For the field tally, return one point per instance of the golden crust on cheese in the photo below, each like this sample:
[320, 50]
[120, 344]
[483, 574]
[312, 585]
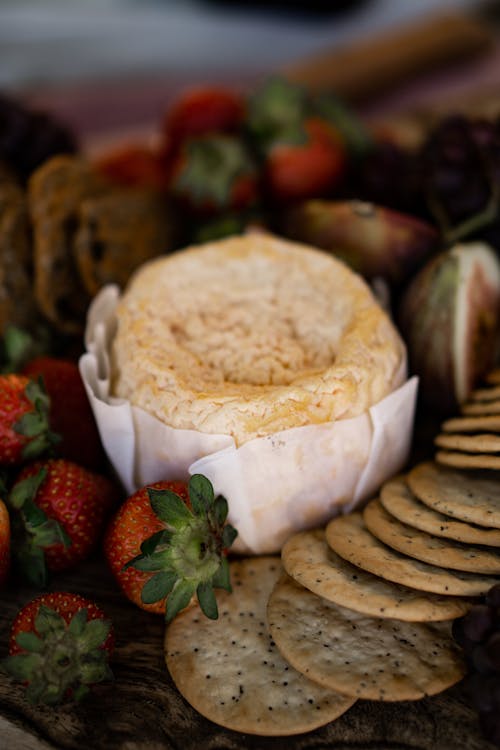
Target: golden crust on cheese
[251, 335]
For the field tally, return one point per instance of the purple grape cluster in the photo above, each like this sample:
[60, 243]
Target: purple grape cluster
[28, 137]
[478, 633]
[453, 179]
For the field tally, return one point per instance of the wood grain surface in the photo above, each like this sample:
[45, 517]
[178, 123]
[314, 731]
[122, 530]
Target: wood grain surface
[142, 709]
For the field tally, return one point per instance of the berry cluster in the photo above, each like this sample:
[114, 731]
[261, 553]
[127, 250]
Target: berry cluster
[28, 137]
[452, 179]
[478, 633]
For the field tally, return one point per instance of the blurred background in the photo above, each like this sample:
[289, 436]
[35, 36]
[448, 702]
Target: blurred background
[107, 64]
[50, 41]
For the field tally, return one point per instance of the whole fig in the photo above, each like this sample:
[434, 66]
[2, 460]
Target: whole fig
[373, 240]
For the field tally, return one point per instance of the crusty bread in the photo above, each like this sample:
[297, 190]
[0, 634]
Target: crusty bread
[251, 335]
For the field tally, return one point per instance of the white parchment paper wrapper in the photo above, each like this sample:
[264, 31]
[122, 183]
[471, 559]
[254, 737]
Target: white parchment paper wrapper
[275, 485]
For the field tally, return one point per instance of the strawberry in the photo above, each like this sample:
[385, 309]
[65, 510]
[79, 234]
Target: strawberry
[307, 167]
[302, 150]
[134, 165]
[60, 644]
[201, 111]
[169, 541]
[70, 413]
[24, 422]
[4, 542]
[59, 510]
[213, 174]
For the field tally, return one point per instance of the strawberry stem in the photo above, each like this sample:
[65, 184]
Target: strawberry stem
[60, 659]
[189, 555]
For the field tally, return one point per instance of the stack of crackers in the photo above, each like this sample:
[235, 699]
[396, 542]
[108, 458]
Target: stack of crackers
[342, 616]
[472, 440]
[69, 234]
[360, 610]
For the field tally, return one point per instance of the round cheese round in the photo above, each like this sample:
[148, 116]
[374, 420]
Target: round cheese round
[251, 335]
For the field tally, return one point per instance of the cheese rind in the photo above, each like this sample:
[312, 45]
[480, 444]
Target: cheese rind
[252, 335]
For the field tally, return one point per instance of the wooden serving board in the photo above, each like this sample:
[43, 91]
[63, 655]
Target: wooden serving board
[142, 710]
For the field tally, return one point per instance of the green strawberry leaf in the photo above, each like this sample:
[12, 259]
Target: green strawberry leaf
[31, 561]
[148, 563]
[29, 641]
[40, 445]
[38, 396]
[169, 507]
[276, 112]
[81, 692]
[221, 579]
[49, 533]
[21, 666]
[78, 621]
[150, 544]
[221, 509]
[95, 633]
[94, 671]
[18, 346]
[30, 424]
[207, 600]
[26, 489]
[201, 493]
[179, 598]
[158, 587]
[48, 620]
[229, 534]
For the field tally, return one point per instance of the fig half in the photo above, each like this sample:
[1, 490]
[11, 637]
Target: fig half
[373, 240]
[449, 317]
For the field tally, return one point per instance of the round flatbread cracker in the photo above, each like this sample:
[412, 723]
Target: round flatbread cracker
[485, 394]
[400, 502]
[463, 495]
[431, 549]
[493, 376]
[480, 407]
[230, 670]
[488, 423]
[349, 538]
[308, 559]
[467, 460]
[365, 657]
[483, 443]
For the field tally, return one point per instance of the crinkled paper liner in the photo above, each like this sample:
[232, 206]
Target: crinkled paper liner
[275, 485]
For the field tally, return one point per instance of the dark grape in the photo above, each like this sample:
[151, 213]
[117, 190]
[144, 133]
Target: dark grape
[457, 631]
[28, 138]
[478, 633]
[490, 724]
[479, 690]
[480, 660]
[453, 179]
[493, 650]
[478, 622]
[492, 598]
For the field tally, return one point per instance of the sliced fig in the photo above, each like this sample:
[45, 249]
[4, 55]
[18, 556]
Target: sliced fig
[449, 317]
[373, 240]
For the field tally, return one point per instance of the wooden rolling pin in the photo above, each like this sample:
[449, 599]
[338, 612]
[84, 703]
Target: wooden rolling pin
[371, 66]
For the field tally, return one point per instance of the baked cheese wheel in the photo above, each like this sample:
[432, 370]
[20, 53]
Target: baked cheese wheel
[251, 335]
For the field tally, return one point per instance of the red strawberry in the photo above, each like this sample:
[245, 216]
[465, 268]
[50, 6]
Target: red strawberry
[70, 414]
[168, 542]
[133, 164]
[4, 542]
[213, 174]
[60, 644]
[61, 510]
[24, 423]
[204, 110]
[310, 167]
